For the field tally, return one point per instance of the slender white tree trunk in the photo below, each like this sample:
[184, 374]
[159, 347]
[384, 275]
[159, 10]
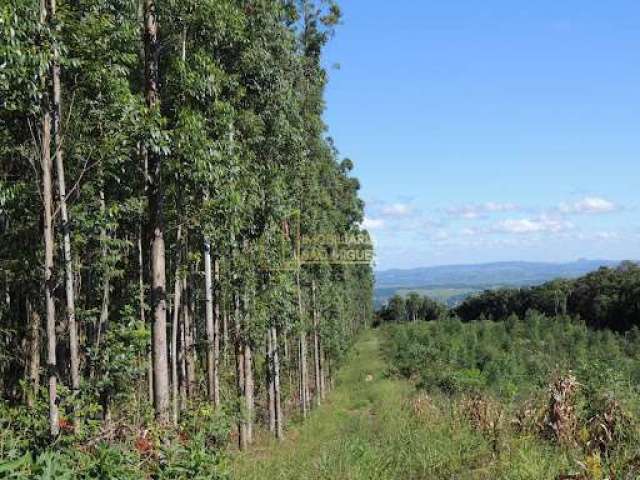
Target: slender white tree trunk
[62, 199]
[47, 199]
[302, 357]
[249, 390]
[212, 324]
[190, 335]
[316, 347]
[276, 383]
[175, 326]
[271, 388]
[155, 193]
[240, 374]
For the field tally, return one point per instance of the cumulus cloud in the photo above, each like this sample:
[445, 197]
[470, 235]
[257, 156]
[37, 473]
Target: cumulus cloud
[589, 205]
[542, 224]
[471, 212]
[372, 223]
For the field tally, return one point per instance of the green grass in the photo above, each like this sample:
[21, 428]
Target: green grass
[385, 429]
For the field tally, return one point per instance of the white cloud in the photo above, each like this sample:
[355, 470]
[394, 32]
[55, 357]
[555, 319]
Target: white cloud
[589, 205]
[372, 223]
[471, 212]
[542, 224]
[397, 209]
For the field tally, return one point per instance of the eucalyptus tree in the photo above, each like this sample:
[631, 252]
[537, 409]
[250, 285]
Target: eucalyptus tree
[200, 91]
[314, 28]
[156, 148]
[26, 167]
[56, 107]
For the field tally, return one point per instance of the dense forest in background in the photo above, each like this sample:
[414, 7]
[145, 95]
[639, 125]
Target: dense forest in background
[605, 298]
[159, 163]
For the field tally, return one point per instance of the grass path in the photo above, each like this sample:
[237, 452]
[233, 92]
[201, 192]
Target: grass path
[372, 430]
[345, 436]
[367, 429]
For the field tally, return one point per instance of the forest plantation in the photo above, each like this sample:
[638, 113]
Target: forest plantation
[186, 280]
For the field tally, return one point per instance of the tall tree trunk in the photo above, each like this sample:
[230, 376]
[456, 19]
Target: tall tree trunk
[212, 322]
[182, 357]
[323, 373]
[304, 376]
[225, 330]
[240, 382]
[316, 346]
[248, 390]
[33, 361]
[189, 330]
[249, 402]
[271, 387]
[155, 195]
[302, 357]
[62, 199]
[209, 324]
[276, 383]
[49, 281]
[175, 325]
[288, 360]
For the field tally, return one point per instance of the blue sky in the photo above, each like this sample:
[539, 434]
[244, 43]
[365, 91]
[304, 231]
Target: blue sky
[489, 130]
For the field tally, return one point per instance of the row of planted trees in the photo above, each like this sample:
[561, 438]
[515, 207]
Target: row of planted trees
[159, 163]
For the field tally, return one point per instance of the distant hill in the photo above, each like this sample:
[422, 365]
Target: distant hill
[452, 283]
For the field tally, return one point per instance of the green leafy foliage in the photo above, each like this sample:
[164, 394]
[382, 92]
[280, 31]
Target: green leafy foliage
[552, 378]
[604, 298]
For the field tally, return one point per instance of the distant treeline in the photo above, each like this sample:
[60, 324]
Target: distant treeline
[411, 308]
[608, 297]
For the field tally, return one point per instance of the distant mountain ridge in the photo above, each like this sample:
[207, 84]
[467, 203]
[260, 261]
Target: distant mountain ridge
[501, 273]
[475, 277]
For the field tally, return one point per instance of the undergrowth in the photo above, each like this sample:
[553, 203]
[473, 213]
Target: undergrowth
[195, 451]
[550, 397]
